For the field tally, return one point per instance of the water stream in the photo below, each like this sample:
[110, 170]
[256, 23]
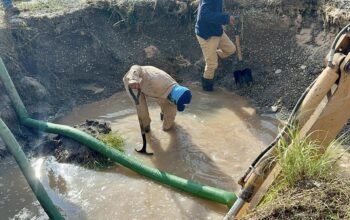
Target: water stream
[213, 142]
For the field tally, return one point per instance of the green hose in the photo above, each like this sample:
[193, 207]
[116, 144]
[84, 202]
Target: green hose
[197, 189]
[38, 189]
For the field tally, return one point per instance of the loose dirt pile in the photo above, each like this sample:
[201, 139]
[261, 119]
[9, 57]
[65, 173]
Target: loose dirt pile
[70, 151]
[309, 200]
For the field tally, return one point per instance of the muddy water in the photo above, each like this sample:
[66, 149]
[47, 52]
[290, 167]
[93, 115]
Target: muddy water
[213, 142]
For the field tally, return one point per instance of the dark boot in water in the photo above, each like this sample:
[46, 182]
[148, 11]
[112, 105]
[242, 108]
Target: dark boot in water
[207, 84]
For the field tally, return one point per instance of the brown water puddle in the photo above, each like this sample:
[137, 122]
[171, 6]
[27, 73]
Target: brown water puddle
[213, 142]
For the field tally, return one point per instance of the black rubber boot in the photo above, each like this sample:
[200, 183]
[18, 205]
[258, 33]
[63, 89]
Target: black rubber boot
[11, 11]
[207, 84]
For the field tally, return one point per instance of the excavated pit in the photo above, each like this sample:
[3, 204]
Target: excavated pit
[77, 53]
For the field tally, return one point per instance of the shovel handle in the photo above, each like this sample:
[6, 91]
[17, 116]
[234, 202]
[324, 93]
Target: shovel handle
[238, 45]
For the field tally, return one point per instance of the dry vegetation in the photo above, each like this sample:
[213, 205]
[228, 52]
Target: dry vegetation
[336, 12]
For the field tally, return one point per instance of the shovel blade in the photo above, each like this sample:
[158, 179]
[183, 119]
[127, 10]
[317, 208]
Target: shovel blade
[243, 77]
[144, 145]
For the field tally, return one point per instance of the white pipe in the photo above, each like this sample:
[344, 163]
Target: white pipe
[234, 209]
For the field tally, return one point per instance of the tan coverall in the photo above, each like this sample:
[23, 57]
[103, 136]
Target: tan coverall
[212, 48]
[154, 83]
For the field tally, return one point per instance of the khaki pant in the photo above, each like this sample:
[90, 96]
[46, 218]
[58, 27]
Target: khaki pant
[169, 111]
[212, 48]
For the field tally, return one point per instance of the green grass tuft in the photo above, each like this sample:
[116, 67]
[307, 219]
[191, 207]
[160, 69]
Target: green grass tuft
[47, 5]
[113, 140]
[302, 159]
[98, 161]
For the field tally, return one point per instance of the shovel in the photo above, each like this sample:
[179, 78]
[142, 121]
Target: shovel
[143, 130]
[243, 75]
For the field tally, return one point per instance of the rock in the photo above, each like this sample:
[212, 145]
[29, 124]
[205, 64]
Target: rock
[317, 184]
[88, 123]
[323, 38]
[93, 88]
[305, 36]
[285, 21]
[278, 71]
[274, 108]
[34, 88]
[298, 22]
[151, 52]
[303, 67]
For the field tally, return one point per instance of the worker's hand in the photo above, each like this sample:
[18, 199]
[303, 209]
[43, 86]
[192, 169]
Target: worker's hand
[134, 85]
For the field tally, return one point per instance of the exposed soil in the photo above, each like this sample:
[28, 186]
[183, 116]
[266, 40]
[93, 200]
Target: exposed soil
[308, 200]
[68, 53]
[79, 53]
[70, 151]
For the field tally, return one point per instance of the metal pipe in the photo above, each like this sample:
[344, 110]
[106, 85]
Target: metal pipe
[234, 209]
[39, 191]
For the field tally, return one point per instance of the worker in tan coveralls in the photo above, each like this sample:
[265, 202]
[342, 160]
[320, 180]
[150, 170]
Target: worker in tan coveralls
[142, 81]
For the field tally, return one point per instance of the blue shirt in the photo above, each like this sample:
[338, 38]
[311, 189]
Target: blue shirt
[210, 19]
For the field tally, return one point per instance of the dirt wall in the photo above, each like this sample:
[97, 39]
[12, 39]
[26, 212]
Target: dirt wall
[60, 59]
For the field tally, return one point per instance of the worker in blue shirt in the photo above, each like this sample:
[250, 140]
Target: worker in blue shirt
[212, 38]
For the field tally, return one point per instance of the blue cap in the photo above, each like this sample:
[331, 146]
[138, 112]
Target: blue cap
[180, 96]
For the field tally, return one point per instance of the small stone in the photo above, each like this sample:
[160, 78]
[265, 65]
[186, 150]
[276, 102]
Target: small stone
[36, 88]
[303, 67]
[274, 108]
[278, 71]
[317, 184]
[88, 123]
[305, 36]
[151, 51]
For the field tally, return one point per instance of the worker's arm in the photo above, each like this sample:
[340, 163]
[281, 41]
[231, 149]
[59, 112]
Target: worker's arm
[210, 16]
